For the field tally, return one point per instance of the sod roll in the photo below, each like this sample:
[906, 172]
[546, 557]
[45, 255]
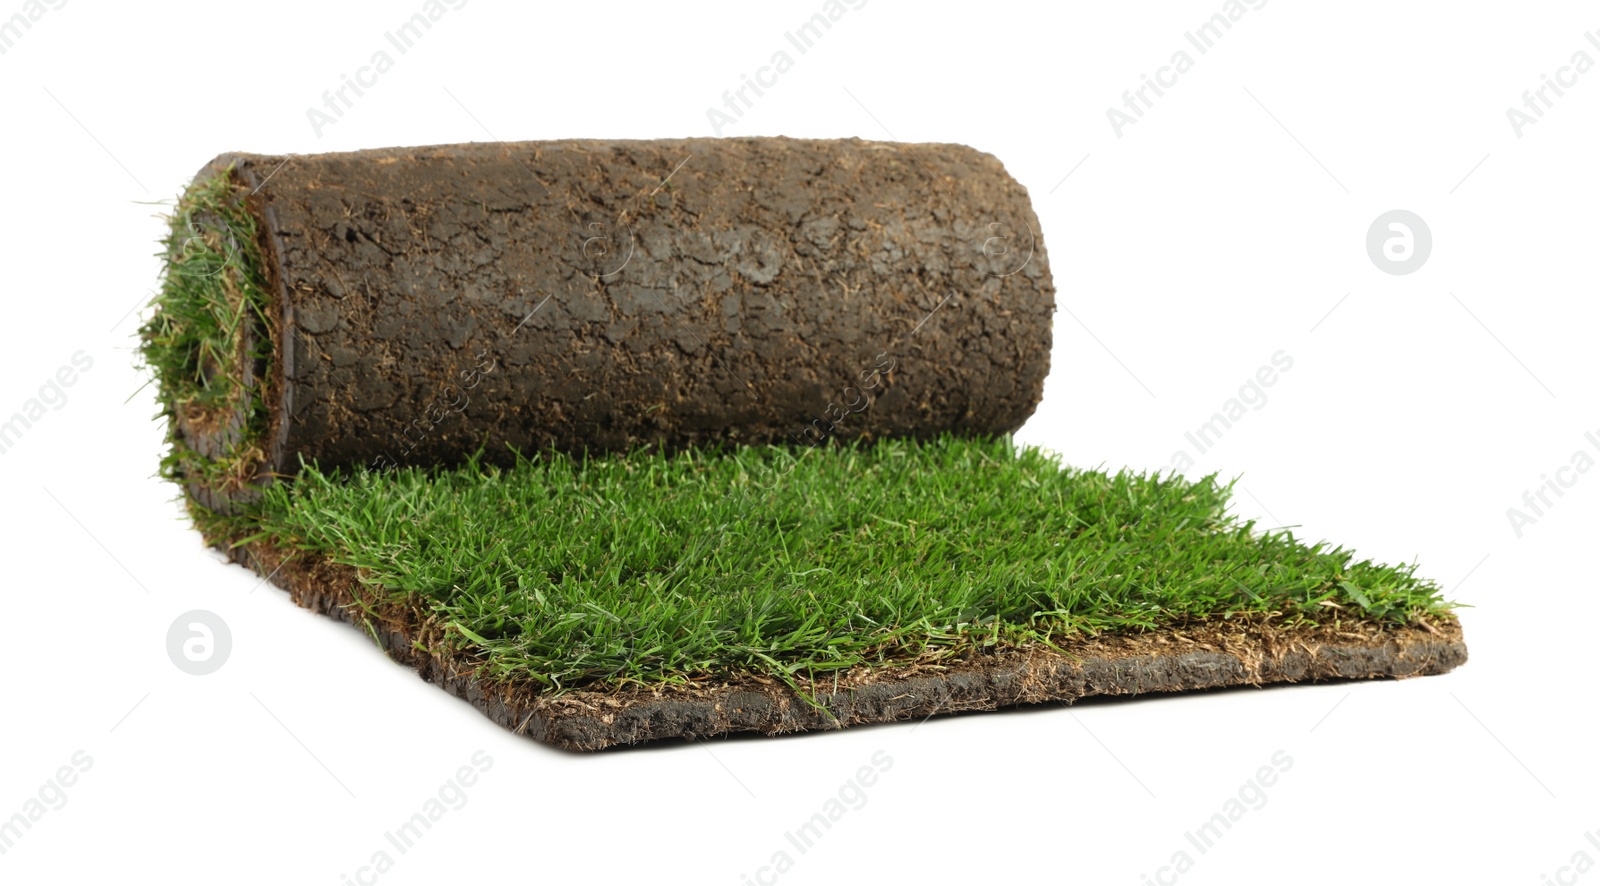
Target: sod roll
[418, 305]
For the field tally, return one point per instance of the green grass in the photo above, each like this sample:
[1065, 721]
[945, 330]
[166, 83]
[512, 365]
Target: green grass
[650, 567]
[193, 343]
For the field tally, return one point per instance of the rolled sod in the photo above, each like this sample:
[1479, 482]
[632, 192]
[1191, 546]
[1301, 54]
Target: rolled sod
[418, 305]
[623, 441]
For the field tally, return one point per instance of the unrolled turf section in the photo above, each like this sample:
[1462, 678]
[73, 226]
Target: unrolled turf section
[650, 568]
[653, 576]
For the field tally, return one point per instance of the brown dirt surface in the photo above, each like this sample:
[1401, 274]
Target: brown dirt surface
[560, 295]
[1208, 655]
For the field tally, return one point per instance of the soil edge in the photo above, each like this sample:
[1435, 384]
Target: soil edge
[1206, 656]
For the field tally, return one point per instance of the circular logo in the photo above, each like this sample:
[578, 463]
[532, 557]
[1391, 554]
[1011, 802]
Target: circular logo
[603, 251]
[1007, 249]
[1399, 242]
[199, 642]
[196, 256]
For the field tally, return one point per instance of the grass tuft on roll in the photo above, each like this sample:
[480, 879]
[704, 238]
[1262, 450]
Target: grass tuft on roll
[208, 327]
[652, 568]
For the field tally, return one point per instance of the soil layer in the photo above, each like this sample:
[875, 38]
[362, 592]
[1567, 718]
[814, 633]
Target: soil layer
[1208, 655]
[605, 295]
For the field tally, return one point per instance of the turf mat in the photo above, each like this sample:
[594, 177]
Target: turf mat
[600, 601]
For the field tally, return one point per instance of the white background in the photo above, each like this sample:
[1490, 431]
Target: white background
[1228, 224]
